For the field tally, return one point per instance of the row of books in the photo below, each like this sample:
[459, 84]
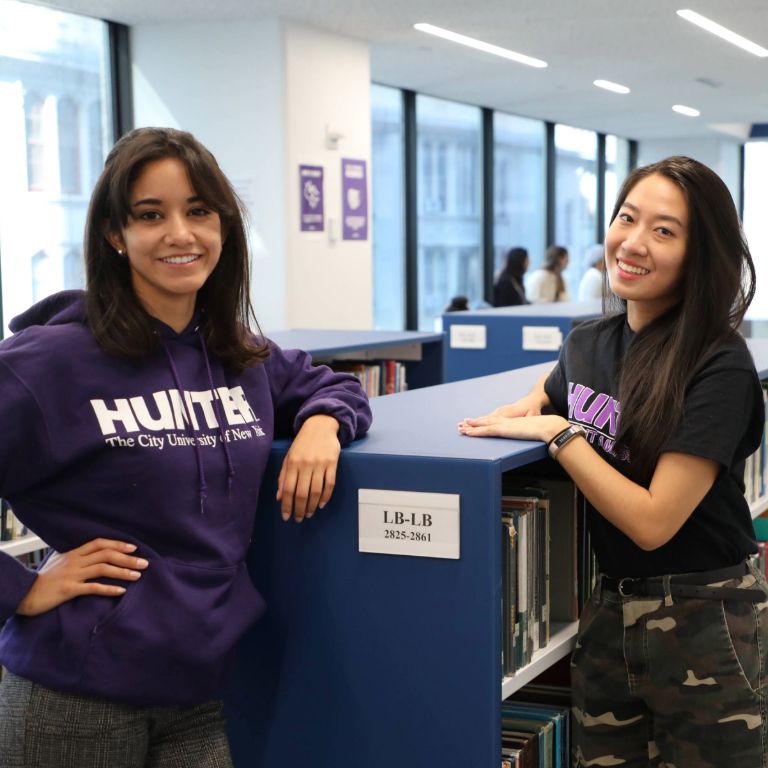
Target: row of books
[536, 728]
[379, 378]
[756, 467]
[548, 568]
[10, 526]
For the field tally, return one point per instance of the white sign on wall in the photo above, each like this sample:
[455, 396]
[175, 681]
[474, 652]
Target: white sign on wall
[467, 337]
[546, 338]
[408, 523]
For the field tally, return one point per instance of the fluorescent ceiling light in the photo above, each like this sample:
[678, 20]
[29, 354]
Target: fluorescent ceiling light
[720, 31]
[609, 86]
[683, 110]
[479, 45]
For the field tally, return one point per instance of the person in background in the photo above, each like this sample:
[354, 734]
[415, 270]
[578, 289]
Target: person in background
[457, 304]
[509, 288]
[652, 411]
[138, 418]
[547, 284]
[591, 285]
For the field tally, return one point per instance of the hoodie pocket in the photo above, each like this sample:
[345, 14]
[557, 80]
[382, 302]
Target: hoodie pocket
[170, 638]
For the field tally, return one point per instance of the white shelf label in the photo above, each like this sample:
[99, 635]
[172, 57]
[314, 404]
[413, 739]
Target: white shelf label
[408, 523]
[467, 337]
[547, 338]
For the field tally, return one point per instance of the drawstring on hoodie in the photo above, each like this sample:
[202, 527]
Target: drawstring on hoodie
[202, 487]
[219, 413]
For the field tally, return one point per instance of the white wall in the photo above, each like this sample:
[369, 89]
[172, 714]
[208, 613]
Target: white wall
[258, 95]
[327, 84]
[721, 155]
[223, 82]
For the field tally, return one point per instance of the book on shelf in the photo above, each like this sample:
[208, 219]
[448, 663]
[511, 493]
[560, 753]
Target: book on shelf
[523, 746]
[509, 625]
[534, 504]
[379, 378]
[553, 728]
[543, 559]
[547, 704]
[517, 584]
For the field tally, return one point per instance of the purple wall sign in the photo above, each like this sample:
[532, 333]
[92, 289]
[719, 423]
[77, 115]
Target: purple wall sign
[354, 200]
[311, 185]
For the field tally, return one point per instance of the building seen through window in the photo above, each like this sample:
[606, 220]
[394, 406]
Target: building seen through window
[519, 197]
[616, 170]
[448, 187]
[756, 230]
[55, 131]
[575, 198]
[387, 184]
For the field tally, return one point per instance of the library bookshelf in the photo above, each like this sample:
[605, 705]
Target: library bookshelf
[484, 341]
[22, 546]
[421, 352]
[377, 659]
[381, 660]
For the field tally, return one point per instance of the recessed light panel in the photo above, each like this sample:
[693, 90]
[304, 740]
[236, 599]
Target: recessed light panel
[479, 45]
[687, 111]
[609, 86]
[723, 32]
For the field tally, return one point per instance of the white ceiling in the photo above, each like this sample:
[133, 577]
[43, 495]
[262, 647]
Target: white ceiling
[643, 45]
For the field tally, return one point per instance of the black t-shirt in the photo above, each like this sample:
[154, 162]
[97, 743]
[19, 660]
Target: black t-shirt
[723, 419]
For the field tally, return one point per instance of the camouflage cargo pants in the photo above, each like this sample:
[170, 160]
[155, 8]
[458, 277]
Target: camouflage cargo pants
[672, 682]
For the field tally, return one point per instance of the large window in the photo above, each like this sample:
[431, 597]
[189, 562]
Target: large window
[616, 170]
[446, 248]
[69, 146]
[449, 158]
[519, 193]
[35, 143]
[575, 198]
[756, 228]
[54, 133]
[387, 183]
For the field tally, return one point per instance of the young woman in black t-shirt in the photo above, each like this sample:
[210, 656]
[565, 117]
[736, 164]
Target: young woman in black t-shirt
[652, 411]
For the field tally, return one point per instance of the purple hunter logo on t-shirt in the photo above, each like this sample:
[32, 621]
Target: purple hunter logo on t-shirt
[599, 414]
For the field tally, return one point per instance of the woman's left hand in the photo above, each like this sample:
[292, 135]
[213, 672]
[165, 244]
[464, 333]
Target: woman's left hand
[308, 474]
[518, 427]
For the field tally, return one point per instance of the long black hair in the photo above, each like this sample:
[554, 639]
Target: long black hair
[117, 319]
[717, 287]
[516, 264]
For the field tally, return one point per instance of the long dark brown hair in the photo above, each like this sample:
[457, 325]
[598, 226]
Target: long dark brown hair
[717, 287]
[119, 323]
[553, 262]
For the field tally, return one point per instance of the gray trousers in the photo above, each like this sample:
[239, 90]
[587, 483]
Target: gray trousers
[42, 728]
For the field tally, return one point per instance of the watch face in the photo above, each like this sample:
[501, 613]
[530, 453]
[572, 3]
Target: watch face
[564, 436]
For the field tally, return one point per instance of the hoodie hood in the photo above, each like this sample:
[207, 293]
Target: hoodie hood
[57, 309]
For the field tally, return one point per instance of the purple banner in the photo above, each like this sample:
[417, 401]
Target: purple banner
[354, 200]
[311, 185]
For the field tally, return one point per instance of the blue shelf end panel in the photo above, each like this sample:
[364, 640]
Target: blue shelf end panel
[368, 659]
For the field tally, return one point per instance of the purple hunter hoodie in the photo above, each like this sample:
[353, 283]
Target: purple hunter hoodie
[168, 455]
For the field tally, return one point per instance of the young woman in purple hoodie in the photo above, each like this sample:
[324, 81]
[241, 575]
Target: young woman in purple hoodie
[138, 418]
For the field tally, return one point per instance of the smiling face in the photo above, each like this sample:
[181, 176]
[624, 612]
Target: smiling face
[172, 241]
[645, 248]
